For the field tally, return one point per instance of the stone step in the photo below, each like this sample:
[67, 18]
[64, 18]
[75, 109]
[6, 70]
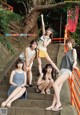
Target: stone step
[36, 96]
[30, 111]
[29, 103]
[32, 103]
[29, 89]
[69, 110]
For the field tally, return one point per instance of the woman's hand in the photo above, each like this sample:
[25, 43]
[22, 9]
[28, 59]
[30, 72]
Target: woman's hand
[41, 15]
[22, 85]
[75, 67]
[27, 68]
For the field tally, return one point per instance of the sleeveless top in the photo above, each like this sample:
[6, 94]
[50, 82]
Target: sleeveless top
[30, 52]
[41, 42]
[67, 60]
[18, 78]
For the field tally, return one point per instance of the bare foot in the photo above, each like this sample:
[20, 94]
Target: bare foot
[49, 108]
[47, 91]
[8, 105]
[58, 105]
[42, 92]
[3, 104]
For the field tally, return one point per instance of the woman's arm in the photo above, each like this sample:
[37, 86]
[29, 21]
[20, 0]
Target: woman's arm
[40, 80]
[75, 58]
[43, 25]
[26, 57]
[11, 78]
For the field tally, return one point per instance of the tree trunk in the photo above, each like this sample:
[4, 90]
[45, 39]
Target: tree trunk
[31, 21]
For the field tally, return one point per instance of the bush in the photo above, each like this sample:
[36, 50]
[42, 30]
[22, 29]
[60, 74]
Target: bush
[76, 35]
[5, 18]
[6, 43]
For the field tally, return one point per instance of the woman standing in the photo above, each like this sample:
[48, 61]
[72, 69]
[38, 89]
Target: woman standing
[18, 83]
[43, 42]
[28, 56]
[68, 63]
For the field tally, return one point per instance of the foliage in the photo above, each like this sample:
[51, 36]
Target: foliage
[6, 43]
[76, 35]
[5, 18]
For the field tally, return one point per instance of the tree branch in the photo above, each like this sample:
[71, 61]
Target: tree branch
[52, 6]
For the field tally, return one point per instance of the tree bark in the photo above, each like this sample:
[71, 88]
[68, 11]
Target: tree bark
[31, 21]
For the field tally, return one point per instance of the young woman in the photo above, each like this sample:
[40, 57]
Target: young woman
[28, 57]
[18, 83]
[43, 42]
[45, 81]
[68, 63]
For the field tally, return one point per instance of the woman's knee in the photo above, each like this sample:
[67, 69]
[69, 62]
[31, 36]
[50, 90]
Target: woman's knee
[24, 88]
[39, 61]
[54, 84]
[51, 81]
[47, 82]
[30, 70]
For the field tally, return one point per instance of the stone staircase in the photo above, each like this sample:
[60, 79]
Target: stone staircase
[36, 103]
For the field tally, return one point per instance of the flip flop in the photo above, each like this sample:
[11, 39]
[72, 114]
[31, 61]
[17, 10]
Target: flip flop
[60, 108]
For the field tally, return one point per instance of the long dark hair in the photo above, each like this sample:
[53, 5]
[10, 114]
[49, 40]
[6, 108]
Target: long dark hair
[45, 70]
[19, 61]
[32, 42]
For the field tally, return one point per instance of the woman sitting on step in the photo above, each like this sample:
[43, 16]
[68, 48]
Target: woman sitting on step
[45, 81]
[18, 83]
[68, 63]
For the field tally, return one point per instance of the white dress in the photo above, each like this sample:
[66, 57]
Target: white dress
[30, 52]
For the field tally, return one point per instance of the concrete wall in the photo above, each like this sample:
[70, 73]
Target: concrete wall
[5, 56]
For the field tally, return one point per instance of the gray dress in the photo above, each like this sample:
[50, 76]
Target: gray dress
[18, 78]
[67, 60]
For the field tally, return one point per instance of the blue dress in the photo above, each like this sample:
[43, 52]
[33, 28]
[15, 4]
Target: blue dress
[18, 78]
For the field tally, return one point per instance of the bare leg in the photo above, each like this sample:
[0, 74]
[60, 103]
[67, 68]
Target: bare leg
[56, 85]
[39, 65]
[43, 86]
[19, 94]
[29, 73]
[49, 86]
[54, 100]
[51, 62]
[17, 90]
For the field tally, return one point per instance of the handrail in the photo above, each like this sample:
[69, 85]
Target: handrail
[74, 88]
[74, 97]
[58, 39]
[9, 7]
